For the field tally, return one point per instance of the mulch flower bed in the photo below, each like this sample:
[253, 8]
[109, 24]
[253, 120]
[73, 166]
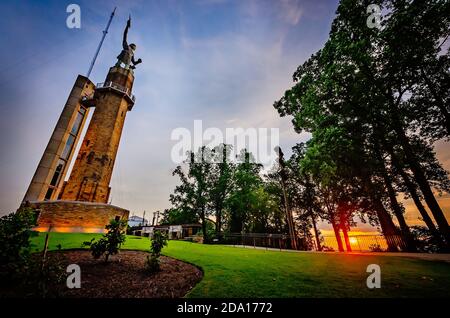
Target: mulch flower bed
[125, 276]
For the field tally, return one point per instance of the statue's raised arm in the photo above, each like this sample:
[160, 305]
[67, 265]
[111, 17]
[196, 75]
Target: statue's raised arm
[126, 57]
[125, 34]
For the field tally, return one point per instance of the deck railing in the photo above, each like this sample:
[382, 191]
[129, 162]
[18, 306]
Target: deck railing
[117, 87]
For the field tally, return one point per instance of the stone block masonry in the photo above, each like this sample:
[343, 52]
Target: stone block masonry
[82, 204]
[73, 216]
[91, 174]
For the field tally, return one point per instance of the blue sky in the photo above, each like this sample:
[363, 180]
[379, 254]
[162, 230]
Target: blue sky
[221, 61]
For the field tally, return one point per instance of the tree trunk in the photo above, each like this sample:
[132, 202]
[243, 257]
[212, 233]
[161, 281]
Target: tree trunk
[316, 232]
[343, 220]
[203, 218]
[387, 226]
[423, 212]
[289, 218]
[338, 236]
[395, 206]
[414, 195]
[346, 238]
[411, 159]
[423, 183]
[219, 223]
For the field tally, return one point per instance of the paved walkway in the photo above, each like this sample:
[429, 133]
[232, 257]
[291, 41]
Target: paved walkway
[423, 256]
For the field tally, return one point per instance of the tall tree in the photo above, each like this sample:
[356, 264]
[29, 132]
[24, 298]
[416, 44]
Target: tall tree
[191, 195]
[305, 194]
[287, 205]
[179, 216]
[246, 180]
[220, 183]
[363, 88]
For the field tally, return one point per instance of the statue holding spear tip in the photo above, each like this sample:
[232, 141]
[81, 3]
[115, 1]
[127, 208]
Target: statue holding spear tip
[127, 55]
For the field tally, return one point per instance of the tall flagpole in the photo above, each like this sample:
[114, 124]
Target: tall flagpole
[100, 44]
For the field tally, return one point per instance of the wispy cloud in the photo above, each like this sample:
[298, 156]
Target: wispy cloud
[291, 11]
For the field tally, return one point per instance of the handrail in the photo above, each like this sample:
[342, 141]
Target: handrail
[117, 87]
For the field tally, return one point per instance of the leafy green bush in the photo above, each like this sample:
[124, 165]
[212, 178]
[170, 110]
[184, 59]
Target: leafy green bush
[25, 273]
[159, 240]
[110, 243]
[15, 233]
[210, 232]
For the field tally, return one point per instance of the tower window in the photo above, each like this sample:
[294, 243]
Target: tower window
[57, 174]
[68, 147]
[49, 193]
[77, 124]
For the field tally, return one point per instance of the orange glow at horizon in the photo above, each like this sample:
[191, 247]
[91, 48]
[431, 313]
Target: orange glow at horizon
[60, 229]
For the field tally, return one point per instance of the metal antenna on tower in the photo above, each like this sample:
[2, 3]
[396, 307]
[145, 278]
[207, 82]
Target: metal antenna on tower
[100, 44]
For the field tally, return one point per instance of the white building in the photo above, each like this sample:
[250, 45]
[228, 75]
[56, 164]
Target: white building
[136, 221]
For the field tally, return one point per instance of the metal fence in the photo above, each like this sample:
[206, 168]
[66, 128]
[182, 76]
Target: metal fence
[357, 243]
[279, 241]
[365, 243]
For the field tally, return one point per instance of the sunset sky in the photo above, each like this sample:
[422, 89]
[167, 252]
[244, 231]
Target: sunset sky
[221, 61]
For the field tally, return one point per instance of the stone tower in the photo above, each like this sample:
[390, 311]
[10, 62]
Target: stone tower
[81, 203]
[48, 179]
[91, 174]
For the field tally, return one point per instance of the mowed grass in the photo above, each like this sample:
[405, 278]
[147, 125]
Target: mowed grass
[238, 272]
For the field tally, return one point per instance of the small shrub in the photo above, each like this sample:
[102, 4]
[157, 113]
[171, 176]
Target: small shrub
[210, 233]
[159, 240]
[153, 265]
[110, 243]
[28, 274]
[375, 248]
[15, 233]
[131, 229]
[426, 241]
[327, 249]
[45, 275]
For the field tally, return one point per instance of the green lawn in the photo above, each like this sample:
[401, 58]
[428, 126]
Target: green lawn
[238, 272]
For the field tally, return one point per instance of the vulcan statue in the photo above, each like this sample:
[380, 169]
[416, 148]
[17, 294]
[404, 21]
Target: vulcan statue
[127, 55]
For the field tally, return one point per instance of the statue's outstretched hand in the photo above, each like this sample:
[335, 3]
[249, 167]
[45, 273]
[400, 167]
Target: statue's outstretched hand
[139, 61]
[129, 22]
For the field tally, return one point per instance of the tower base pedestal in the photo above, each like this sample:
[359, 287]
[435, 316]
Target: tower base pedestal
[75, 216]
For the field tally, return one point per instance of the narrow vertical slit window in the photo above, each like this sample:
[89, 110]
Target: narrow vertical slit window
[49, 193]
[77, 124]
[57, 174]
[68, 147]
